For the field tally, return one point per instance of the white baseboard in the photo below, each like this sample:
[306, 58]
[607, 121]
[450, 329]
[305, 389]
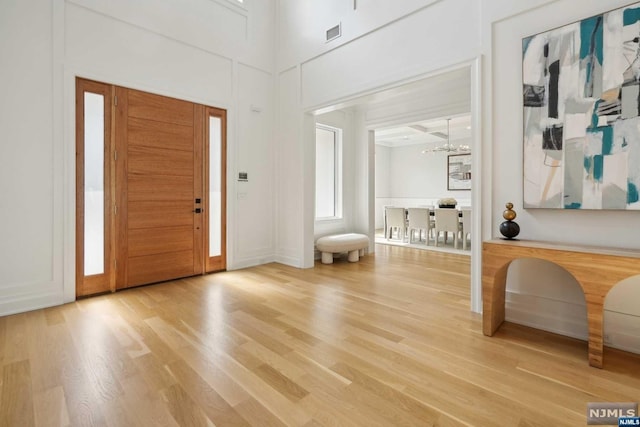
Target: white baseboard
[30, 302]
[239, 264]
[289, 260]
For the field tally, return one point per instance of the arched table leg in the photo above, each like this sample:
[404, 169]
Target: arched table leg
[595, 319]
[494, 285]
[597, 270]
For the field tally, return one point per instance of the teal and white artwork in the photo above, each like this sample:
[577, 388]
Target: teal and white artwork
[581, 103]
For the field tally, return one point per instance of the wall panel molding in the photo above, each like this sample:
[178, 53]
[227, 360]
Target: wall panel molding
[161, 18]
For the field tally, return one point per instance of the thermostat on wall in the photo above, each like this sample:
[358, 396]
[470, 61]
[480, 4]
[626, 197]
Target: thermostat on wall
[243, 176]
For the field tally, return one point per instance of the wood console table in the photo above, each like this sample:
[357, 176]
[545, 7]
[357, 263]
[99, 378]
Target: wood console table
[597, 270]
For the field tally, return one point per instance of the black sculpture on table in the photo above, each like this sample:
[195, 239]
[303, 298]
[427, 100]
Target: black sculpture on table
[509, 229]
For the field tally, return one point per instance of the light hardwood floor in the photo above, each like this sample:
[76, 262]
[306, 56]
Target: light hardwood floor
[386, 341]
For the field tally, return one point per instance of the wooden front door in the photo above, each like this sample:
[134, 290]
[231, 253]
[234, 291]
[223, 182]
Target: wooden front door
[160, 200]
[160, 166]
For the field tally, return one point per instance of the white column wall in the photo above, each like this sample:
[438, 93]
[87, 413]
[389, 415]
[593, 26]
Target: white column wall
[290, 223]
[383, 171]
[364, 178]
[254, 213]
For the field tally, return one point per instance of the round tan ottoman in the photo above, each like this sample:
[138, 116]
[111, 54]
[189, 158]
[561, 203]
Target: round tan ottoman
[353, 243]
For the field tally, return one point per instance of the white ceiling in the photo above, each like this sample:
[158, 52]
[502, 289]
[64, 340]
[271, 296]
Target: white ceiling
[430, 132]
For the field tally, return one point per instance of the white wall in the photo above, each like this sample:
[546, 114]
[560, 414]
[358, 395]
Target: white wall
[303, 24]
[254, 213]
[418, 42]
[419, 176]
[31, 241]
[383, 171]
[289, 164]
[364, 177]
[214, 52]
[548, 299]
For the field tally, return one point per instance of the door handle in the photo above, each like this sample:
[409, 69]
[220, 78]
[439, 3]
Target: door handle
[197, 210]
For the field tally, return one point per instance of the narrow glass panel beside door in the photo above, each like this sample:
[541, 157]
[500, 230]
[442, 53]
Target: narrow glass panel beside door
[215, 186]
[93, 184]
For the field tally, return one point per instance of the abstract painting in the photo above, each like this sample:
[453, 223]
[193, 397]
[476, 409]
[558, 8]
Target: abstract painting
[581, 102]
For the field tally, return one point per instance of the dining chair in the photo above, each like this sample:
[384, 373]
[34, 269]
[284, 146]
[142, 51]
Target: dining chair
[432, 213]
[395, 221]
[466, 228]
[447, 222]
[419, 220]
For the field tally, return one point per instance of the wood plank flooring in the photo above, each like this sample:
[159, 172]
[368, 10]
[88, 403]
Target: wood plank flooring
[387, 341]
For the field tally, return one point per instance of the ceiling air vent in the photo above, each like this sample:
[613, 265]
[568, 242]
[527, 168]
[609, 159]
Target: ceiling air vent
[334, 32]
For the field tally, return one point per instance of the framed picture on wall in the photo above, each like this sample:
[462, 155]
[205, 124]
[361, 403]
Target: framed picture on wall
[459, 172]
[581, 113]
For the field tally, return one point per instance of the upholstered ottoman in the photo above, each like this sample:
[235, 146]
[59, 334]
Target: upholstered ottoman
[353, 243]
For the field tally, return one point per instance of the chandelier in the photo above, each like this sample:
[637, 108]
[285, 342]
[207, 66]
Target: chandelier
[448, 147]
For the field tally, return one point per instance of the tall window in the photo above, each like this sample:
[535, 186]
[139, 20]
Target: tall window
[328, 172]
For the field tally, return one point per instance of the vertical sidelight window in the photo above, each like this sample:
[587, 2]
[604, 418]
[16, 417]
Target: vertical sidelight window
[216, 182]
[94, 218]
[94, 261]
[215, 186]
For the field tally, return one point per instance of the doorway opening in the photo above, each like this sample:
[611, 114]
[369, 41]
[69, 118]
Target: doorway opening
[446, 94]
